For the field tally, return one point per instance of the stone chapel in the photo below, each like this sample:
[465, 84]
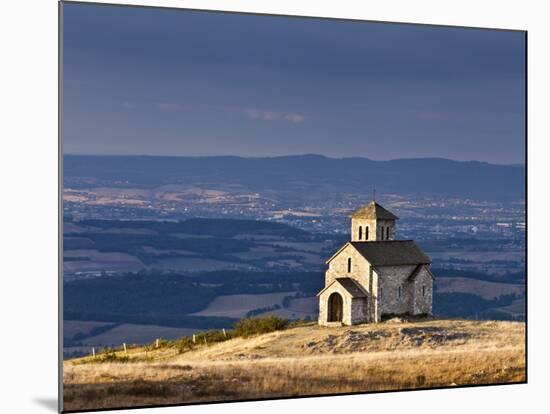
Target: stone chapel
[374, 274]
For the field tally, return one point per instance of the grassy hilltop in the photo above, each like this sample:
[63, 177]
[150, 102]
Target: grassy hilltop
[300, 360]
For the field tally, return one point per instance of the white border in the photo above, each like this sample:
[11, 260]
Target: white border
[28, 167]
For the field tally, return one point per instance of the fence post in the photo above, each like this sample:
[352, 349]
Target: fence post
[193, 338]
[93, 352]
[124, 346]
[224, 333]
[157, 343]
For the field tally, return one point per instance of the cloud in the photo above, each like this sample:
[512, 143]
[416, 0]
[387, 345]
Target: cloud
[270, 115]
[264, 115]
[296, 118]
[258, 114]
[163, 106]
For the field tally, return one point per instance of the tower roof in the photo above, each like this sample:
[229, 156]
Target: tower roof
[373, 210]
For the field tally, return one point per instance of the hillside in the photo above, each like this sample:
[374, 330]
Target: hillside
[302, 360]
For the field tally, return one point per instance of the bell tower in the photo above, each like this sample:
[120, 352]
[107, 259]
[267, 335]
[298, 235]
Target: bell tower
[372, 223]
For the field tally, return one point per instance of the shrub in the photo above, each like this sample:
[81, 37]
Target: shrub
[184, 344]
[162, 343]
[106, 350]
[210, 337]
[254, 326]
[259, 311]
[300, 322]
[109, 355]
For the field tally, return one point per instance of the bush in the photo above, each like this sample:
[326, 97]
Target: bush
[109, 355]
[254, 326]
[184, 344]
[210, 337]
[162, 343]
[259, 311]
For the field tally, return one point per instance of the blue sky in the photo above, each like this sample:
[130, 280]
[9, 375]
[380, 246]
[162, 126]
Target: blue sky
[175, 82]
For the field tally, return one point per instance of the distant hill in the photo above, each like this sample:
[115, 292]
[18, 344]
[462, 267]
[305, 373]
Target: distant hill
[205, 227]
[304, 175]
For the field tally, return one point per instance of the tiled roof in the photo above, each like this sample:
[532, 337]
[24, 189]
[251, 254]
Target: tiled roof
[391, 252]
[350, 285]
[373, 210]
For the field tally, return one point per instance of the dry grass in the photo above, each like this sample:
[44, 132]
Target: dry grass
[308, 361]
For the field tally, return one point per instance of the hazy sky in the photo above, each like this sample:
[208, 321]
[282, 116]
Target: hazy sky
[170, 82]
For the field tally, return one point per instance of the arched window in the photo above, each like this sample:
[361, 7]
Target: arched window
[349, 264]
[399, 292]
[360, 232]
[381, 232]
[366, 232]
[387, 233]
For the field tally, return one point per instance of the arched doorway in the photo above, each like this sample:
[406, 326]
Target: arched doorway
[335, 308]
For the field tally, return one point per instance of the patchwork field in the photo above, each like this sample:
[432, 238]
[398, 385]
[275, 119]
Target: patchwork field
[140, 196]
[516, 308]
[199, 264]
[84, 328]
[137, 334]
[237, 306]
[480, 256]
[86, 335]
[195, 245]
[485, 289]
[205, 273]
[298, 308]
[94, 260]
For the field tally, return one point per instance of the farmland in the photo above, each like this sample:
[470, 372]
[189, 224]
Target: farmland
[484, 289]
[206, 273]
[237, 306]
[137, 334]
[95, 246]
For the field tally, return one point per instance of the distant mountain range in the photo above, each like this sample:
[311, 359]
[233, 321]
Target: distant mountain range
[307, 175]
